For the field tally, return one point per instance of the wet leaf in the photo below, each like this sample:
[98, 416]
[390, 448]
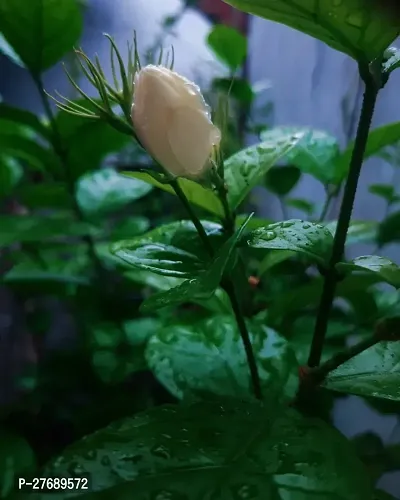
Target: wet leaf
[223, 449]
[388, 270]
[194, 192]
[172, 250]
[313, 240]
[105, 190]
[375, 373]
[245, 169]
[204, 285]
[208, 357]
[354, 27]
[359, 231]
[315, 153]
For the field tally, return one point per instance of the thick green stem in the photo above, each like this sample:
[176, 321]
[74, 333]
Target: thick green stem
[328, 292]
[229, 288]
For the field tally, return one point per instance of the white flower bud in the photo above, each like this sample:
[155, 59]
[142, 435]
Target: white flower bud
[173, 122]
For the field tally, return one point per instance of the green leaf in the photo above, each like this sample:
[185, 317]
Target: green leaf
[201, 287]
[7, 50]
[217, 303]
[313, 240]
[173, 249]
[245, 169]
[89, 140]
[45, 195]
[208, 357]
[159, 282]
[355, 289]
[130, 227]
[32, 270]
[354, 27]
[359, 231]
[389, 229]
[228, 44]
[315, 153]
[16, 460]
[273, 258]
[281, 180]
[17, 142]
[375, 373]
[23, 117]
[105, 190]
[235, 87]
[36, 30]
[194, 192]
[31, 228]
[11, 173]
[302, 333]
[301, 204]
[119, 352]
[385, 191]
[378, 139]
[388, 270]
[223, 449]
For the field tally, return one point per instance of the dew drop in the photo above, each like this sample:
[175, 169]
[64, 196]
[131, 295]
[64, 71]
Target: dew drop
[269, 235]
[355, 19]
[306, 225]
[288, 223]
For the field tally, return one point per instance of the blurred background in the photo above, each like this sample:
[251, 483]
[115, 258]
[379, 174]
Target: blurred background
[291, 80]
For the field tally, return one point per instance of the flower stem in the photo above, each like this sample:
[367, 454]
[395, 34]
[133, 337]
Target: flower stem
[198, 225]
[251, 360]
[328, 292]
[229, 288]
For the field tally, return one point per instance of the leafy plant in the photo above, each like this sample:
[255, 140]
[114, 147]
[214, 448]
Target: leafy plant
[207, 345]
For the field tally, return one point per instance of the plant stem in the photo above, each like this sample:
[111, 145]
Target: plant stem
[330, 280]
[59, 149]
[229, 288]
[198, 225]
[251, 360]
[318, 374]
[327, 206]
[284, 211]
[386, 330]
